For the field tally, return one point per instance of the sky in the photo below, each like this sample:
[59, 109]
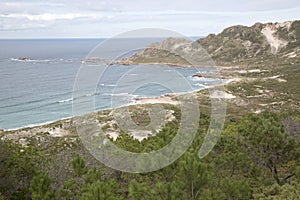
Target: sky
[107, 18]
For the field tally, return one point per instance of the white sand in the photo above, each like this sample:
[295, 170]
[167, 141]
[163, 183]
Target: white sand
[221, 95]
[274, 42]
[291, 55]
[254, 70]
[277, 78]
[166, 100]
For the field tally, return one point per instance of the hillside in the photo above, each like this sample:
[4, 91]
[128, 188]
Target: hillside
[256, 157]
[239, 43]
[236, 44]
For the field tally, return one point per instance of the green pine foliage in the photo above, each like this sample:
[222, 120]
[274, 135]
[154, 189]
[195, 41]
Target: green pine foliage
[99, 190]
[266, 142]
[255, 158]
[78, 165]
[40, 187]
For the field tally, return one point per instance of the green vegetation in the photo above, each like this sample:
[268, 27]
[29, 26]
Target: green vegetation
[266, 142]
[40, 187]
[79, 167]
[255, 158]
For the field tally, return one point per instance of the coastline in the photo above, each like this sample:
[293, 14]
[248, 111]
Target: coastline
[37, 125]
[126, 63]
[162, 63]
[164, 99]
[225, 73]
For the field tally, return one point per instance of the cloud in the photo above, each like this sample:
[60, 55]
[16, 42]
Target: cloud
[91, 18]
[207, 5]
[50, 16]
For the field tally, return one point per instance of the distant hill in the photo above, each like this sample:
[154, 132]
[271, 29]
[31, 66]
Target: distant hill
[278, 42]
[242, 42]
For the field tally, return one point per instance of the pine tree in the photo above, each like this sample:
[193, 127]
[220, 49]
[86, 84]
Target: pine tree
[235, 189]
[166, 190]
[192, 176]
[266, 141]
[40, 187]
[93, 175]
[99, 190]
[138, 191]
[79, 167]
[70, 191]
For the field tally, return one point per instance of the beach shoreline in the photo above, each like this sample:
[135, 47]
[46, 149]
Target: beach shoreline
[164, 99]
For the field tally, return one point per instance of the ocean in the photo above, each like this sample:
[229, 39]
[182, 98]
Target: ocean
[37, 78]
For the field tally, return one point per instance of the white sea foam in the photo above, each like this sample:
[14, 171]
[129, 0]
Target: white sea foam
[200, 85]
[116, 94]
[65, 100]
[89, 95]
[24, 59]
[108, 85]
[29, 60]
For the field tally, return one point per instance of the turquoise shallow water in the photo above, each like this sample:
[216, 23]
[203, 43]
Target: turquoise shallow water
[40, 89]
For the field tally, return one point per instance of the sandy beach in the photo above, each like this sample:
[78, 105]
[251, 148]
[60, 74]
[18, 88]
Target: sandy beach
[157, 100]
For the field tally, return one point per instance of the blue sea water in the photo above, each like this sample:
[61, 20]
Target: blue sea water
[39, 89]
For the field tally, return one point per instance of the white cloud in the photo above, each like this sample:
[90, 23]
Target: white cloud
[50, 16]
[94, 18]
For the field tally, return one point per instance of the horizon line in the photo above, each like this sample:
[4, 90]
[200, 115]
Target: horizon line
[86, 38]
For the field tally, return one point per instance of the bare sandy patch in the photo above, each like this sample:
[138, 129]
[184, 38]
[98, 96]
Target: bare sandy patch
[275, 43]
[158, 100]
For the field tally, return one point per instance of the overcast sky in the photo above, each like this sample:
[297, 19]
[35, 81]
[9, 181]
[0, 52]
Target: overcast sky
[106, 18]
